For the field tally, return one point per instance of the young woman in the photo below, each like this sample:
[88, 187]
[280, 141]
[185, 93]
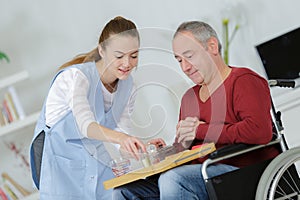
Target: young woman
[90, 98]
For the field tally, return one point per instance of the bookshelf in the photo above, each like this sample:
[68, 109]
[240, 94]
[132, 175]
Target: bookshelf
[33, 196]
[17, 134]
[17, 125]
[10, 80]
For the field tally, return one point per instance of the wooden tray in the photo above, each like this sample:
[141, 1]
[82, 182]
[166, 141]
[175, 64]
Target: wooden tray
[168, 163]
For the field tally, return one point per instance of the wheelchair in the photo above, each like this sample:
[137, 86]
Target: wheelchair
[271, 179]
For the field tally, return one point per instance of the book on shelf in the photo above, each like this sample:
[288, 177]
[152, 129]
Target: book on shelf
[2, 118]
[7, 111]
[16, 101]
[12, 189]
[11, 108]
[3, 195]
[4, 115]
[9, 192]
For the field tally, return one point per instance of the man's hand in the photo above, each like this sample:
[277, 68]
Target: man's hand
[186, 130]
[158, 142]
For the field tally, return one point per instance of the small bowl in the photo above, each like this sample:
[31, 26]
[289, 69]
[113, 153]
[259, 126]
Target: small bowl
[120, 166]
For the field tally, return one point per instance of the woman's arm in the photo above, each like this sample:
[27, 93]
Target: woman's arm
[85, 119]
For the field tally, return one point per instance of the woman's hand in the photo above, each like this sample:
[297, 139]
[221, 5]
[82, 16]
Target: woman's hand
[130, 146]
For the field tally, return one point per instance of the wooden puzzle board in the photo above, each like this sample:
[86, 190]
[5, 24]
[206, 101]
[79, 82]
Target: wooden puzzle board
[168, 163]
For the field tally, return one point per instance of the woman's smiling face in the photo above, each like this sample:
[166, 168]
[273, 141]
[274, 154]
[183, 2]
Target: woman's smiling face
[120, 56]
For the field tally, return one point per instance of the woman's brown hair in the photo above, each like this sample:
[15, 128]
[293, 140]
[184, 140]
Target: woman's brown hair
[118, 25]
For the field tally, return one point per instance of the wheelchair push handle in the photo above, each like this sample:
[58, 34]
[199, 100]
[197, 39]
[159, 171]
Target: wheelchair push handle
[282, 83]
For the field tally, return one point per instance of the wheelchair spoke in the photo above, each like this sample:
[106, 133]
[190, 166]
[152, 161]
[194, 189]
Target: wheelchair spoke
[282, 192]
[284, 180]
[287, 196]
[293, 180]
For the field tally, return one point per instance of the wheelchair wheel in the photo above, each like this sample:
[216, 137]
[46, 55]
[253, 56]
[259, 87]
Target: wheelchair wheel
[280, 179]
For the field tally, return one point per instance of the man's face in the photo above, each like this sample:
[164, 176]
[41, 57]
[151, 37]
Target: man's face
[195, 61]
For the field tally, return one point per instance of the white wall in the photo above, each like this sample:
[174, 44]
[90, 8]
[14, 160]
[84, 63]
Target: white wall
[40, 35]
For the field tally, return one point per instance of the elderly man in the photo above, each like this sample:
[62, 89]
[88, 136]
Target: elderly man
[227, 105]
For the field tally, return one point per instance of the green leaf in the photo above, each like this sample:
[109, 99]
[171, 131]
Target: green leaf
[3, 56]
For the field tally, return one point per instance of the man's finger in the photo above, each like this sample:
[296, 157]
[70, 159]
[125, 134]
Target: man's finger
[191, 119]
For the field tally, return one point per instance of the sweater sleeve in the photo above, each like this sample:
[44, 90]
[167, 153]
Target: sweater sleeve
[251, 107]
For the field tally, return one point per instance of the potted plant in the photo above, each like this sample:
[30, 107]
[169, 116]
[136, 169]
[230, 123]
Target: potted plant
[3, 56]
[227, 39]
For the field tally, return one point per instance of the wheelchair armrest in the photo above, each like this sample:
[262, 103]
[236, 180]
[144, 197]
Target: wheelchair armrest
[232, 151]
[229, 149]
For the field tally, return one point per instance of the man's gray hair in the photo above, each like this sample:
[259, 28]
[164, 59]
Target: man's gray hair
[201, 31]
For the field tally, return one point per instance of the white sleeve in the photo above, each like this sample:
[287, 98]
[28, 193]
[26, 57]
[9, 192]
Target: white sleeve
[79, 102]
[69, 93]
[125, 125]
[58, 99]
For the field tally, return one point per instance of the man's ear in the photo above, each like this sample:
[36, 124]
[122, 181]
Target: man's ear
[100, 50]
[212, 45]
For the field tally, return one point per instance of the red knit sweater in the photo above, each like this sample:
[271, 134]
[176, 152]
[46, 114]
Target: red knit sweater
[237, 112]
